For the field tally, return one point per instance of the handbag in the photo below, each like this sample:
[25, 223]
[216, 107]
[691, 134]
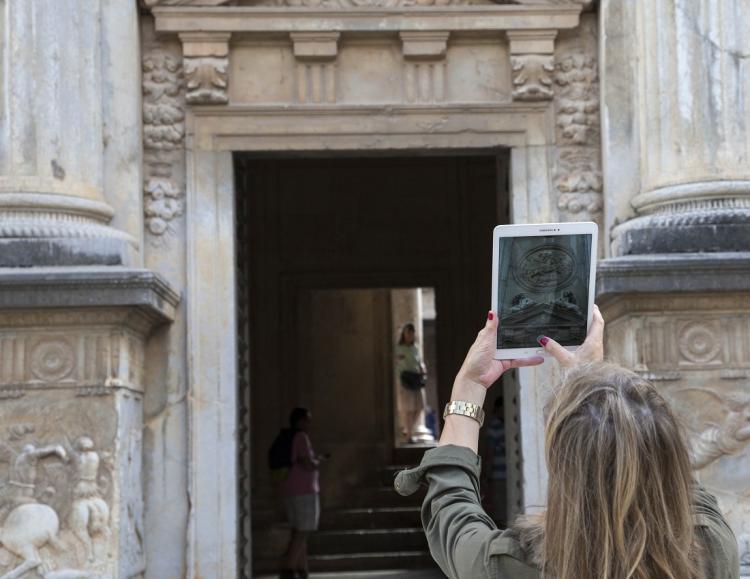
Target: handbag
[413, 380]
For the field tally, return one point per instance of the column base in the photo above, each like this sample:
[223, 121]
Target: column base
[66, 251]
[44, 229]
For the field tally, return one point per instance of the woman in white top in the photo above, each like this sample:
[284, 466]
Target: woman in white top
[411, 372]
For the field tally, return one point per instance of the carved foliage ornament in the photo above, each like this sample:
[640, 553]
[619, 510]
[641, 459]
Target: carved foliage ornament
[578, 176]
[532, 76]
[206, 79]
[163, 138]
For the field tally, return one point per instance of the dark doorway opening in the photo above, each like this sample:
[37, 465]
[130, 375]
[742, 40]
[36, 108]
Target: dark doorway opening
[322, 244]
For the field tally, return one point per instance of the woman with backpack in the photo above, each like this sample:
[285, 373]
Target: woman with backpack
[622, 502]
[295, 466]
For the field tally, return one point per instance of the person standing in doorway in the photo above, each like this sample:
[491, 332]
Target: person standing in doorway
[300, 493]
[412, 378]
[494, 465]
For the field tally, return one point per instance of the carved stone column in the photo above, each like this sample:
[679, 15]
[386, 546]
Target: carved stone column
[71, 410]
[674, 121]
[676, 158]
[61, 150]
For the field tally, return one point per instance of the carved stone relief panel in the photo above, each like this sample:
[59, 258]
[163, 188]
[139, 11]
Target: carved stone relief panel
[163, 136]
[64, 511]
[577, 173]
[86, 357]
[696, 350]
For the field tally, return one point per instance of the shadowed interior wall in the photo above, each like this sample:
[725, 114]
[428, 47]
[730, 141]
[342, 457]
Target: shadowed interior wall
[317, 226]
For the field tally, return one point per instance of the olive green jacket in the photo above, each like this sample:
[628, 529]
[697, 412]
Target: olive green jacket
[466, 544]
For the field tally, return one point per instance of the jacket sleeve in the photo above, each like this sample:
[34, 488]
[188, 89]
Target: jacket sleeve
[463, 539]
[721, 556]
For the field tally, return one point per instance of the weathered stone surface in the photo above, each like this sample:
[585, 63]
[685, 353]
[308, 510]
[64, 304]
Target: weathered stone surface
[672, 119]
[699, 272]
[72, 352]
[62, 287]
[67, 146]
[71, 501]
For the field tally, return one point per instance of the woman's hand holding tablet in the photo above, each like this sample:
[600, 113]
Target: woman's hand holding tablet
[543, 284]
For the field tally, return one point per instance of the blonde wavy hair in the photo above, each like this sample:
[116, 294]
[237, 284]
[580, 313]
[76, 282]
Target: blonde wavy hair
[620, 496]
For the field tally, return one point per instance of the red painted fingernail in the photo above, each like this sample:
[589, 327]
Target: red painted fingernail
[490, 316]
[543, 340]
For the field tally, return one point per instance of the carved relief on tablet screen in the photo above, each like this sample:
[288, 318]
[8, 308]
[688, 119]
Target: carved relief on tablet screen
[544, 268]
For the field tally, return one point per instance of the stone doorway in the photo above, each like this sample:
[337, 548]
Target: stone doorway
[324, 240]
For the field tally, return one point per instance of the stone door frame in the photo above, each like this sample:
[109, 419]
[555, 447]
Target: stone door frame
[213, 135]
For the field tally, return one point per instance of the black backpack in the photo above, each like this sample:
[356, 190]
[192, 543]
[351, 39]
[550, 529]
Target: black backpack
[280, 454]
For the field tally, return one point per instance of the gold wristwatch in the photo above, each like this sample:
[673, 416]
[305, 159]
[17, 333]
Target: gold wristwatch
[465, 409]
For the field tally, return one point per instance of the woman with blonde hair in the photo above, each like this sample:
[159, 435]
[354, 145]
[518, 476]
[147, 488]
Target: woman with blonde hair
[621, 501]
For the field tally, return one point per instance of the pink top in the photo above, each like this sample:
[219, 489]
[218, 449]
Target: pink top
[301, 481]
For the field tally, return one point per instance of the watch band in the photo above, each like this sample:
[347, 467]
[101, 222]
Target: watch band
[465, 409]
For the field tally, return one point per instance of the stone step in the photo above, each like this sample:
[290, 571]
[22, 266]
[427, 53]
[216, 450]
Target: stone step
[372, 561]
[386, 496]
[367, 540]
[356, 561]
[371, 518]
[384, 574]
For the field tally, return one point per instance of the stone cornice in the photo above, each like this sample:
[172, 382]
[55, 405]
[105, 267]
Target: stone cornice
[178, 19]
[673, 273]
[88, 287]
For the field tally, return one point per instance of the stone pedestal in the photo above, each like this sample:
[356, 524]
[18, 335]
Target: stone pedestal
[71, 410]
[684, 324]
[69, 134]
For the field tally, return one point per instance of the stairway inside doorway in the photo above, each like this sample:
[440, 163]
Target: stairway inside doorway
[380, 533]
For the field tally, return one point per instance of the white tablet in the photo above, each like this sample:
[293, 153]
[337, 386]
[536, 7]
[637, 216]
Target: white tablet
[543, 284]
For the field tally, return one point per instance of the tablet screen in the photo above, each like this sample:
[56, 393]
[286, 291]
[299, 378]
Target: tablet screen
[543, 289]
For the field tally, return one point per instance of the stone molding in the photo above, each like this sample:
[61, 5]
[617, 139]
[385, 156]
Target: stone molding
[532, 63]
[439, 18]
[92, 287]
[660, 274]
